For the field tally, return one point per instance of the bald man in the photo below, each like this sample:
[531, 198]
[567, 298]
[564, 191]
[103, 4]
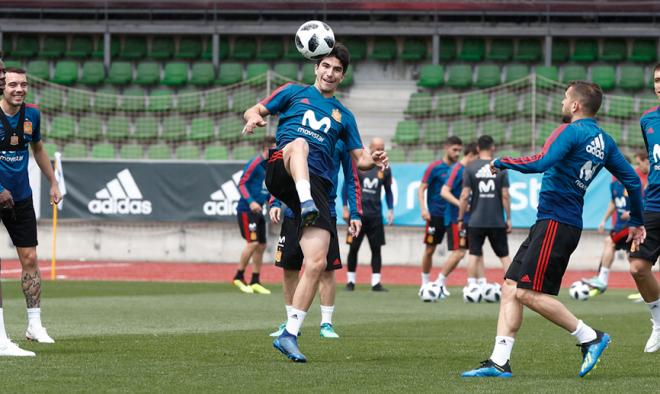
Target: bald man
[372, 182]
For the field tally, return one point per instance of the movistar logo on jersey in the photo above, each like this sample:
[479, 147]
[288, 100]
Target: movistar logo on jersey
[224, 201]
[656, 153]
[597, 147]
[370, 185]
[11, 159]
[309, 121]
[620, 202]
[487, 188]
[587, 170]
[120, 196]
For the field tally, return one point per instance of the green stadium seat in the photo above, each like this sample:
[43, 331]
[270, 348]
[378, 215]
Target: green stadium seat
[189, 100]
[501, 50]
[292, 54]
[74, 150]
[414, 49]
[160, 100]
[66, 72]
[243, 99]
[146, 128]
[614, 50]
[556, 103]
[560, 50]
[476, 104]
[203, 74]
[585, 50]
[407, 132]
[357, 46]
[473, 50]
[506, 104]
[644, 50]
[620, 106]
[230, 73]
[431, 76]
[117, 128]
[287, 70]
[447, 49]
[605, 76]
[190, 48]
[257, 137]
[634, 138]
[38, 69]
[207, 54]
[521, 134]
[202, 129]
[62, 127]
[131, 152]
[176, 74]
[308, 74]
[7, 44]
[244, 152]
[256, 73]
[103, 151]
[396, 155]
[187, 152]
[632, 78]
[488, 75]
[495, 129]
[348, 78]
[216, 152]
[465, 129]
[162, 48]
[216, 101]
[614, 129]
[50, 149]
[545, 129]
[515, 72]
[436, 132]
[271, 48]
[89, 128]
[574, 72]
[230, 129]
[419, 104]
[13, 64]
[459, 76]
[447, 105]
[134, 48]
[545, 76]
[93, 73]
[105, 100]
[148, 73]
[509, 153]
[133, 99]
[540, 107]
[53, 47]
[529, 50]
[244, 48]
[384, 49]
[78, 100]
[99, 51]
[174, 128]
[81, 47]
[121, 73]
[51, 99]
[422, 155]
[159, 152]
[26, 46]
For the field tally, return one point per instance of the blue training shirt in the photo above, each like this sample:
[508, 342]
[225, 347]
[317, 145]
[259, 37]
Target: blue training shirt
[455, 184]
[14, 164]
[305, 113]
[649, 122]
[252, 186]
[621, 203]
[435, 176]
[570, 160]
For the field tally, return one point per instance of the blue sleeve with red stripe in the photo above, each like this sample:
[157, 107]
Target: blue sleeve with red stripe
[387, 184]
[556, 147]
[621, 169]
[279, 99]
[275, 203]
[352, 186]
[248, 171]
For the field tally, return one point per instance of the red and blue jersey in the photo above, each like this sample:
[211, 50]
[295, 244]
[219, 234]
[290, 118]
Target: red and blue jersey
[14, 157]
[455, 184]
[621, 204]
[649, 122]
[305, 113]
[570, 159]
[435, 176]
[251, 185]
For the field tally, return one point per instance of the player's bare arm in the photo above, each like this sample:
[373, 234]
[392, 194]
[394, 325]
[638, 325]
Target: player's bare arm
[275, 214]
[366, 160]
[445, 193]
[462, 206]
[41, 157]
[254, 117]
[422, 201]
[610, 210]
[506, 202]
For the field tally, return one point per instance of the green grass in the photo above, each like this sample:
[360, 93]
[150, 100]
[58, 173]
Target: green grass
[165, 337]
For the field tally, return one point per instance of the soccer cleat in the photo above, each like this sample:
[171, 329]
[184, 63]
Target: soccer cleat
[10, 349]
[257, 288]
[350, 286]
[308, 212]
[38, 334]
[489, 369]
[595, 284]
[327, 331]
[287, 344]
[378, 287]
[279, 331]
[591, 352]
[444, 293]
[636, 298]
[653, 344]
[242, 286]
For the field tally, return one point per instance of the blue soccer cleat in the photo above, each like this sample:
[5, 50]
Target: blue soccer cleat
[489, 369]
[308, 212]
[327, 331]
[591, 352]
[288, 345]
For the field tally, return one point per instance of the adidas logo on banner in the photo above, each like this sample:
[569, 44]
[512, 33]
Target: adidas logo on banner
[223, 202]
[120, 196]
[597, 147]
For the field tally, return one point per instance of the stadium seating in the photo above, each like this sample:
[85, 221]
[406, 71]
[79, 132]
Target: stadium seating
[176, 74]
[134, 48]
[62, 127]
[190, 48]
[287, 70]
[520, 134]
[431, 76]
[500, 50]
[51, 99]
[419, 104]
[506, 104]
[120, 73]
[207, 54]
[476, 104]
[103, 150]
[465, 129]
[189, 100]
[133, 99]
[396, 155]
[488, 75]
[620, 106]
[243, 152]
[146, 128]
[436, 132]
[162, 47]
[447, 49]
[384, 49]
[614, 129]
[160, 100]
[81, 47]
[270, 49]
[447, 105]
[546, 73]
[159, 152]
[414, 49]
[529, 50]
[99, 51]
[244, 49]
[605, 76]
[256, 73]
[357, 46]
[202, 129]
[26, 46]
[243, 101]
[78, 100]
[585, 50]
[632, 77]
[93, 73]
[515, 72]
[495, 129]
[148, 73]
[118, 128]
[203, 74]
[39, 69]
[216, 152]
[216, 101]
[66, 72]
[574, 72]
[614, 50]
[74, 150]
[174, 128]
[459, 76]
[90, 128]
[423, 155]
[187, 152]
[560, 49]
[644, 51]
[407, 132]
[131, 152]
[308, 75]
[230, 129]
[105, 99]
[230, 73]
[53, 47]
[472, 50]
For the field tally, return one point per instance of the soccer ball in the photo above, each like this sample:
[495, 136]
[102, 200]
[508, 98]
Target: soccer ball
[492, 292]
[472, 294]
[314, 39]
[579, 291]
[430, 292]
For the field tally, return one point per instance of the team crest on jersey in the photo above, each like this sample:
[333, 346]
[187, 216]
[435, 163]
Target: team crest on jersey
[27, 127]
[336, 115]
[381, 175]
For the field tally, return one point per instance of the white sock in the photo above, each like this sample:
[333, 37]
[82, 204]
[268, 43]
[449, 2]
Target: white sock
[584, 333]
[604, 275]
[502, 350]
[351, 277]
[288, 310]
[326, 314]
[34, 317]
[3, 333]
[425, 278]
[375, 279]
[654, 307]
[304, 190]
[472, 281]
[295, 321]
[441, 280]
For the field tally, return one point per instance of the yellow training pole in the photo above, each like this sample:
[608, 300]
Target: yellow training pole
[52, 260]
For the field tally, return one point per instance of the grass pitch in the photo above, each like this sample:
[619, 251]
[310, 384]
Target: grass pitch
[171, 337]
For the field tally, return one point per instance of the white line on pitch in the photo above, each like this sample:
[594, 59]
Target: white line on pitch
[70, 267]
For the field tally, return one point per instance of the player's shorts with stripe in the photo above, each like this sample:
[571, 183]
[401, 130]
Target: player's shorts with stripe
[252, 226]
[21, 223]
[289, 255]
[454, 239]
[373, 229]
[619, 238]
[650, 249]
[435, 230]
[496, 236]
[543, 256]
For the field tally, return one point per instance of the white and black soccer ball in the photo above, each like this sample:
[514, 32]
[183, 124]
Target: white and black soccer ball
[430, 292]
[492, 292]
[579, 291]
[472, 294]
[314, 39]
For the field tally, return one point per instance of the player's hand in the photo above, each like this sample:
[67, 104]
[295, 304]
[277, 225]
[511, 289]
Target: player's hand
[354, 227]
[461, 225]
[255, 207]
[425, 215]
[601, 227]
[6, 199]
[625, 215]
[380, 158]
[493, 170]
[55, 196]
[637, 235]
[275, 214]
[345, 214]
[509, 226]
[390, 217]
[254, 121]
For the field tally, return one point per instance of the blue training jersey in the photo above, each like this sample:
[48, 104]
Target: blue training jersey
[621, 203]
[571, 158]
[14, 163]
[305, 113]
[435, 176]
[252, 186]
[649, 122]
[455, 184]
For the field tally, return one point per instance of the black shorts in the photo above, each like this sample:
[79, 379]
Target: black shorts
[435, 230]
[21, 223]
[496, 236]
[373, 228]
[289, 255]
[650, 249]
[543, 256]
[454, 239]
[280, 184]
[252, 226]
[619, 238]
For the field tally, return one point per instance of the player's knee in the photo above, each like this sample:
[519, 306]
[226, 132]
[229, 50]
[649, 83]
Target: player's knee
[639, 268]
[429, 250]
[29, 259]
[316, 266]
[261, 248]
[524, 296]
[300, 144]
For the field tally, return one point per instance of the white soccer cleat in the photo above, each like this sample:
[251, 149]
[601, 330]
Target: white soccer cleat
[653, 344]
[10, 349]
[38, 334]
